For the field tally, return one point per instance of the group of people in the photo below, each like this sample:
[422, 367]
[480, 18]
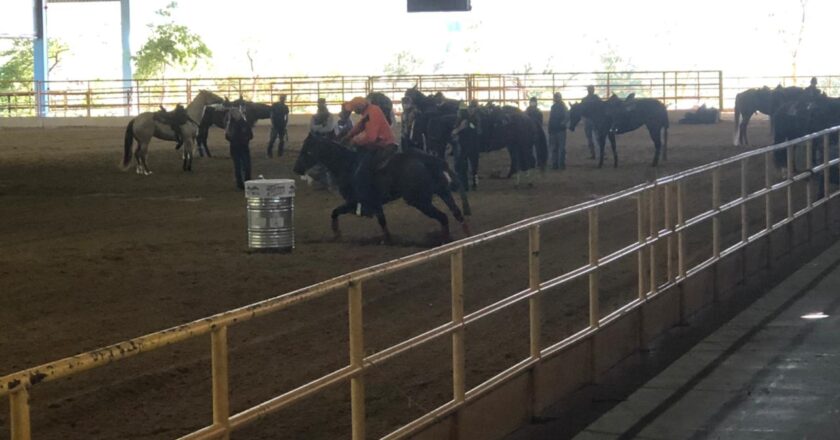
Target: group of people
[558, 120]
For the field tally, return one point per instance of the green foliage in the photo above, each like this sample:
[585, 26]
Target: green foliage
[403, 63]
[18, 70]
[620, 75]
[170, 45]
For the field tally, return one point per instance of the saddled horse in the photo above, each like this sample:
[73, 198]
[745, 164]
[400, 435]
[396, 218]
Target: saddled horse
[632, 113]
[412, 176]
[595, 111]
[764, 100]
[384, 103]
[214, 115]
[798, 118]
[144, 127]
[428, 103]
[509, 127]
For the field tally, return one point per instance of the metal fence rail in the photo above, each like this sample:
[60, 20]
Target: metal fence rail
[662, 221]
[679, 89]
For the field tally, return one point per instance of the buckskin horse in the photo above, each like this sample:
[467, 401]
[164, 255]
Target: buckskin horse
[144, 127]
[414, 177]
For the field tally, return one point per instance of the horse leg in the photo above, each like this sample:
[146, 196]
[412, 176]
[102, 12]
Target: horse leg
[472, 157]
[426, 207]
[343, 209]
[514, 162]
[447, 198]
[602, 139]
[380, 218]
[657, 143]
[611, 137]
[743, 130]
[138, 161]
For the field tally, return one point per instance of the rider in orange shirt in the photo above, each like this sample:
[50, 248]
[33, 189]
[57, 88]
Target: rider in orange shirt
[371, 134]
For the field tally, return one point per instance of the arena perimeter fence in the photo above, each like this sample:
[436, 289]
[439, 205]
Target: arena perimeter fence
[661, 224]
[86, 98]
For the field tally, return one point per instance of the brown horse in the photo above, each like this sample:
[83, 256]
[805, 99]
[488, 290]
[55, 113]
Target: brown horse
[144, 127]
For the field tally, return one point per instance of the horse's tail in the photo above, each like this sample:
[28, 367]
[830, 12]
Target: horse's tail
[129, 139]
[736, 141]
[542, 149]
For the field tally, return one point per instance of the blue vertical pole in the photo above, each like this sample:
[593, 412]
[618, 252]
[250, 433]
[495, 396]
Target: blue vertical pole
[125, 14]
[41, 59]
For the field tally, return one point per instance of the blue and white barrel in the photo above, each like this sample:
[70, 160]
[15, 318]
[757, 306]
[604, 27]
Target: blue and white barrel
[270, 208]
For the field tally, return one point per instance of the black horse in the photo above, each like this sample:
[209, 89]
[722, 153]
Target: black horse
[596, 111]
[214, 115]
[764, 100]
[436, 102]
[509, 127]
[412, 176]
[798, 118]
[632, 113]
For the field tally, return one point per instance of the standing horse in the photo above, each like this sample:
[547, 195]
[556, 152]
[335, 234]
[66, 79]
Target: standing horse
[596, 111]
[632, 113]
[764, 100]
[144, 127]
[414, 177]
[509, 127]
[214, 114]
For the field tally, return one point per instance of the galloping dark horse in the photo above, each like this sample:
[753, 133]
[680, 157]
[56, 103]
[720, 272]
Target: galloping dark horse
[632, 113]
[764, 100]
[412, 176]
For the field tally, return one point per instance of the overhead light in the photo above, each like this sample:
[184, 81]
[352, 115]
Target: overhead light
[816, 315]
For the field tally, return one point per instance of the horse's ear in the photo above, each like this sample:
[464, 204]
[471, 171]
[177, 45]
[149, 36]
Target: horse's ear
[630, 96]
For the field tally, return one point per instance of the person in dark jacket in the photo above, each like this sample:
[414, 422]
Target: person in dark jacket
[238, 132]
[533, 111]
[589, 126]
[557, 132]
[279, 122]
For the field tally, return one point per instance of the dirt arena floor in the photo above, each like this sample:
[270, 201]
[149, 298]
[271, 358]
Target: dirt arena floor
[92, 255]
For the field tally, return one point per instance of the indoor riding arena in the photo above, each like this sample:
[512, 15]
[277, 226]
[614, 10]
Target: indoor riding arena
[132, 307]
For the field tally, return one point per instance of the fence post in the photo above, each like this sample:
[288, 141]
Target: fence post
[357, 352]
[716, 209]
[670, 240]
[789, 188]
[457, 278]
[640, 226]
[19, 406]
[88, 99]
[535, 311]
[720, 90]
[809, 161]
[681, 233]
[221, 391]
[826, 189]
[654, 235]
[608, 85]
[745, 226]
[594, 306]
[768, 218]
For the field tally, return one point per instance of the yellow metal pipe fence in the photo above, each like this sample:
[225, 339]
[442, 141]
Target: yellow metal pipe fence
[654, 228]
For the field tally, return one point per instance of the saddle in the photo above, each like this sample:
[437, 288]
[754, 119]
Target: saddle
[383, 157]
[175, 117]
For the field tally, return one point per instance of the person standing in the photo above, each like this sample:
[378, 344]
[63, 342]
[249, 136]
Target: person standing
[322, 122]
[279, 123]
[557, 121]
[239, 133]
[533, 111]
[588, 125]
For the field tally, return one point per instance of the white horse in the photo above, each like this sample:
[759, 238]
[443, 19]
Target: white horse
[144, 127]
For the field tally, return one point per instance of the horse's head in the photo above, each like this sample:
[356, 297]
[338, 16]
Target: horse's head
[208, 97]
[574, 115]
[318, 149]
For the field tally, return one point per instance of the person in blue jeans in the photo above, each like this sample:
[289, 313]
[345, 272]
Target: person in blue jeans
[279, 121]
[239, 133]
